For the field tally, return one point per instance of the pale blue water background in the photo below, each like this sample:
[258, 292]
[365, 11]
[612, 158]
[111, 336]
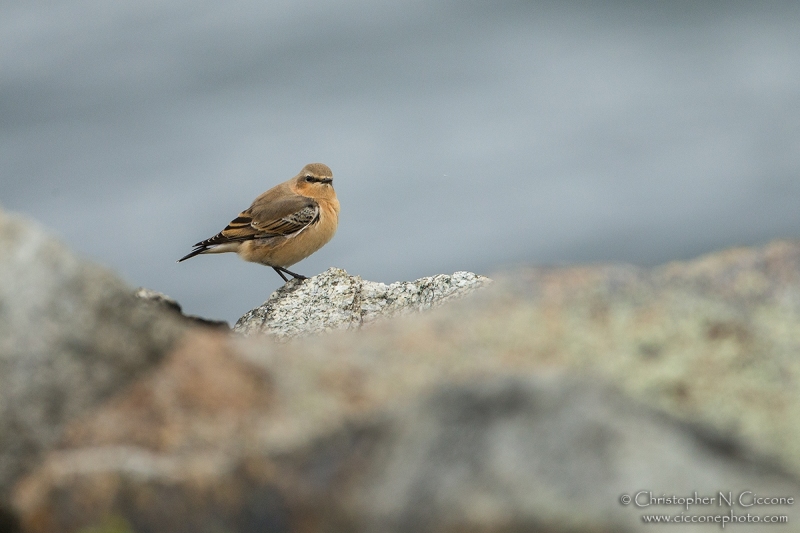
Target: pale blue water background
[462, 135]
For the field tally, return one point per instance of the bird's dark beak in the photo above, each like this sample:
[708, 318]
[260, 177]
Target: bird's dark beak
[326, 180]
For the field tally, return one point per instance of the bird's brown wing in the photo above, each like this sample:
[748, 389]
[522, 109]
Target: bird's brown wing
[278, 212]
[278, 217]
[283, 216]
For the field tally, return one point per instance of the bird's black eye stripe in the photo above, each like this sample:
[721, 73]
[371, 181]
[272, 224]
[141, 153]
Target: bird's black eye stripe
[312, 179]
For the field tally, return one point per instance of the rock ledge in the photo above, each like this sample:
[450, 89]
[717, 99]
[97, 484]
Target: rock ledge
[336, 300]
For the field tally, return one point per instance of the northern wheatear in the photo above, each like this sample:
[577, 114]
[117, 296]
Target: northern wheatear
[284, 225]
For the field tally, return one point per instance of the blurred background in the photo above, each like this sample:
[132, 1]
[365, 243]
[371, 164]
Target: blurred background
[462, 135]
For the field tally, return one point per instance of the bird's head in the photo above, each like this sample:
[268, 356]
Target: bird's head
[315, 181]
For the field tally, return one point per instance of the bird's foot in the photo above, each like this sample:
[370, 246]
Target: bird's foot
[281, 270]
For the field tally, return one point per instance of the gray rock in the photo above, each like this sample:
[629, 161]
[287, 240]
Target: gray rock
[491, 414]
[543, 454]
[71, 333]
[336, 300]
[168, 303]
[158, 298]
[217, 443]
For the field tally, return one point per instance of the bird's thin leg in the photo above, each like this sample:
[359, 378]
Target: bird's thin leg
[277, 269]
[296, 276]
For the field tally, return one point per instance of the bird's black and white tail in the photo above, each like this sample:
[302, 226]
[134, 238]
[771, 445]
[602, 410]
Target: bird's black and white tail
[212, 245]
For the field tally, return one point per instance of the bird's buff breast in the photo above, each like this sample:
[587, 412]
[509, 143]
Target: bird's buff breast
[286, 251]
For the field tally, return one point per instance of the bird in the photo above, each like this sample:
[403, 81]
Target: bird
[284, 225]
